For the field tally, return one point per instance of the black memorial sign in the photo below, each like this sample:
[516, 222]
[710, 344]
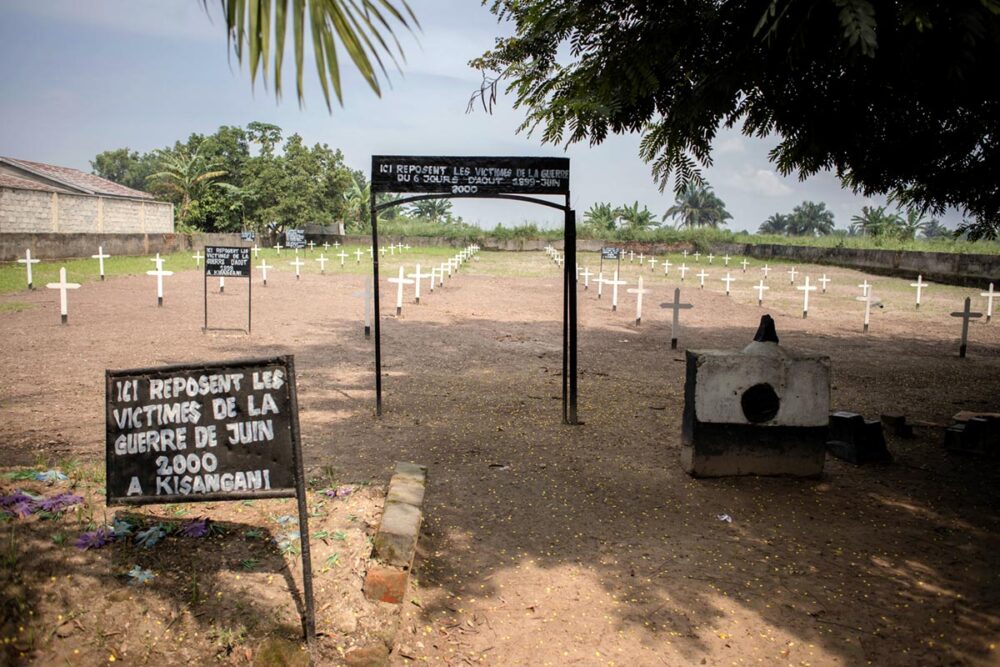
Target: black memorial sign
[202, 432]
[295, 238]
[470, 176]
[226, 262]
[610, 253]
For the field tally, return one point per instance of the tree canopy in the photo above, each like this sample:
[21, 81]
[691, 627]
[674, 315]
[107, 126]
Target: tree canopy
[896, 97]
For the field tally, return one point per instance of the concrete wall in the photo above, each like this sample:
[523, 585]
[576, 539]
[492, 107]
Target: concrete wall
[942, 267]
[36, 212]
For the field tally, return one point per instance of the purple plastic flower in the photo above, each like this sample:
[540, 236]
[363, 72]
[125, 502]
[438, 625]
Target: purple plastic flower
[94, 539]
[195, 528]
[339, 492]
[60, 501]
[19, 504]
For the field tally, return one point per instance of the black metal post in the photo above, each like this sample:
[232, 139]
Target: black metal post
[309, 623]
[565, 331]
[376, 313]
[205, 286]
[250, 299]
[570, 254]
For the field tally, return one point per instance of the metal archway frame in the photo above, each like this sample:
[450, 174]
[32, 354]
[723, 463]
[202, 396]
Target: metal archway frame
[569, 360]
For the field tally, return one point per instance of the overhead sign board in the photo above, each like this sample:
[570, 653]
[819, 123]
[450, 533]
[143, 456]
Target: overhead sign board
[470, 176]
[227, 262]
[192, 433]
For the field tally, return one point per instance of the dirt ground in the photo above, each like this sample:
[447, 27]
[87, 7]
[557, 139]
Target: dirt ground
[547, 544]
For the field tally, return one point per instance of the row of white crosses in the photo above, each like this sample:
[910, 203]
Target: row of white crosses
[436, 275]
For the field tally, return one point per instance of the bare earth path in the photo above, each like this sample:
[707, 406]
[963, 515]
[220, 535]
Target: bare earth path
[548, 544]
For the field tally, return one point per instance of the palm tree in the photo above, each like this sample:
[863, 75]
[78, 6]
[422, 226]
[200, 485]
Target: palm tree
[434, 210]
[911, 224]
[636, 218]
[253, 28]
[810, 219]
[874, 221]
[698, 206]
[776, 223]
[602, 216]
[933, 229]
[184, 174]
[359, 205]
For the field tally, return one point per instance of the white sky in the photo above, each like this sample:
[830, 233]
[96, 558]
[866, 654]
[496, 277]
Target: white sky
[84, 77]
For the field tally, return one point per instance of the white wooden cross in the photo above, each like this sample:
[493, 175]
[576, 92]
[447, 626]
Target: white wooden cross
[322, 263]
[791, 275]
[371, 251]
[197, 257]
[728, 279]
[966, 314]
[441, 270]
[631, 255]
[919, 285]
[868, 298]
[685, 254]
[676, 306]
[326, 245]
[407, 246]
[100, 257]
[297, 263]
[312, 245]
[62, 286]
[357, 255]
[336, 244]
[701, 276]
[433, 277]
[586, 278]
[27, 261]
[638, 291]
[256, 251]
[263, 269]
[400, 281]
[417, 276]
[760, 287]
[683, 269]
[159, 273]
[222, 285]
[381, 251]
[697, 256]
[577, 273]
[745, 264]
[399, 247]
[666, 266]
[615, 282]
[710, 257]
[641, 259]
[765, 270]
[652, 263]
[865, 288]
[806, 288]
[990, 295]
[278, 247]
[600, 284]
[726, 259]
[342, 255]
[824, 281]
[392, 249]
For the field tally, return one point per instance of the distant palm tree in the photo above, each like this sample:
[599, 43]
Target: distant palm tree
[933, 229]
[911, 224]
[435, 210]
[698, 206]
[254, 28]
[874, 221]
[184, 174]
[810, 219]
[636, 218]
[602, 216]
[776, 223]
[359, 205]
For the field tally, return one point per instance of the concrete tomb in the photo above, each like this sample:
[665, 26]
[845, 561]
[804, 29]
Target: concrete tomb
[974, 433]
[760, 411]
[857, 440]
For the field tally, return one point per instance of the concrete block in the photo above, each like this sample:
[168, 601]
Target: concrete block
[414, 471]
[857, 440]
[403, 489]
[760, 411]
[979, 435]
[396, 539]
[386, 584]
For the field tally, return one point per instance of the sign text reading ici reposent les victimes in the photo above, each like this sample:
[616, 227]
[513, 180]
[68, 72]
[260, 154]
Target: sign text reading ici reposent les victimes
[195, 431]
[475, 176]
